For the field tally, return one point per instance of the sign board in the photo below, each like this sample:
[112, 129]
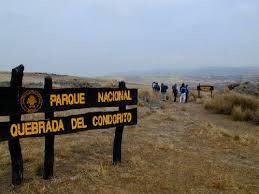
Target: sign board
[16, 100]
[205, 88]
[64, 125]
[35, 100]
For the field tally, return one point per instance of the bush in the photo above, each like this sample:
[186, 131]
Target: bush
[241, 115]
[240, 107]
[149, 98]
[193, 96]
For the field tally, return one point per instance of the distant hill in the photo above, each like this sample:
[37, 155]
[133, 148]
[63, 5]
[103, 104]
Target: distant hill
[203, 71]
[228, 71]
[217, 76]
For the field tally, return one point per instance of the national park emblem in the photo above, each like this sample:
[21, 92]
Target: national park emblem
[31, 101]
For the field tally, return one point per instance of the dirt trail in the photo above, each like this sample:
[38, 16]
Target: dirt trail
[217, 152]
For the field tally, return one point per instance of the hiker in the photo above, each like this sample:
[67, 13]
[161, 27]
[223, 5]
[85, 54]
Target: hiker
[163, 91]
[187, 93]
[175, 91]
[183, 93]
[155, 87]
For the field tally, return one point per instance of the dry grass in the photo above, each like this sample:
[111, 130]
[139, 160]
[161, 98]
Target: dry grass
[149, 98]
[171, 150]
[241, 107]
[193, 96]
[239, 114]
[148, 95]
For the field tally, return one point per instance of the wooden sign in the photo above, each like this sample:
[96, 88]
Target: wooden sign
[16, 100]
[35, 100]
[65, 125]
[205, 88]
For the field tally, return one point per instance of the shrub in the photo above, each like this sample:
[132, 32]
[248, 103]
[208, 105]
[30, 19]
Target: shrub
[241, 115]
[148, 98]
[193, 97]
[145, 95]
[241, 107]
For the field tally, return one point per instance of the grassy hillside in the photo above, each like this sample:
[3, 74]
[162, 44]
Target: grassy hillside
[175, 148]
[241, 107]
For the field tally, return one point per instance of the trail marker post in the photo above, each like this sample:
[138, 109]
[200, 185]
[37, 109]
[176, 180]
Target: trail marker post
[118, 133]
[205, 88]
[14, 144]
[49, 139]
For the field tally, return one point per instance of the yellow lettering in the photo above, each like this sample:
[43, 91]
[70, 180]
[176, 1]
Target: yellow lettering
[114, 119]
[95, 121]
[129, 117]
[100, 97]
[14, 130]
[54, 126]
[41, 127]
[64, 99]
[71, 99]
[81, 123]
[61, 125]
[28, 129]
[48, 127]
[73, 123]
[129, 96]
[58, 101]
[82, 98]
[121, 95]
[53, 99]
[78, 123]
[113, 96]
[21, 130]
[67, 99]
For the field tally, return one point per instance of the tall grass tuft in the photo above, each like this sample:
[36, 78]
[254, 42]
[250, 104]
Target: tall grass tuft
[149, 98]
[241, 115]
[241, 107]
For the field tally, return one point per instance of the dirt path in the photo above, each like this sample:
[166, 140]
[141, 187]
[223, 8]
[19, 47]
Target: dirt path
[219, 154]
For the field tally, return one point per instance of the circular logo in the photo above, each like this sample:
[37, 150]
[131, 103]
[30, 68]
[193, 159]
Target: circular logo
[31, 101]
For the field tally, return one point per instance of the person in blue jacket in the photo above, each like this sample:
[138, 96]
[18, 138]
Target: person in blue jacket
[155, 87]
[183, 93]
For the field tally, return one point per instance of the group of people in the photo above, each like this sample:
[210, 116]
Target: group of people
[183, 90]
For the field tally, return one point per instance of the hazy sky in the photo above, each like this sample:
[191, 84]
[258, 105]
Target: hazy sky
[90, 37]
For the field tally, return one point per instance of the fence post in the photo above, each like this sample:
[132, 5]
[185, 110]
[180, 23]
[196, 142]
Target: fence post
[118, 133]
[49, 139]
[14, 144]
[199, 90]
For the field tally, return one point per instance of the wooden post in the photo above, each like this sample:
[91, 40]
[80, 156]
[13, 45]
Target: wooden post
[211, 90]
[199, 90]
[49, 139]
[118, 134]
[14, 144]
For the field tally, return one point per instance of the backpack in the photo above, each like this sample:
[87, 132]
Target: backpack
[183, 90]
[164, 88]
[157, 88]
